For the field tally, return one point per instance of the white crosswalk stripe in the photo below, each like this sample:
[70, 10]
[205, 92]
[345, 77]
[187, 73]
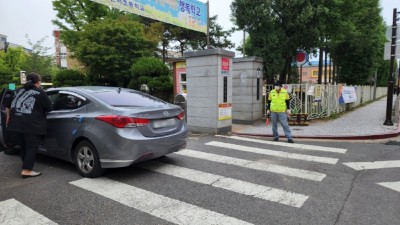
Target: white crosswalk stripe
[14, 212]
[238, 186]
[304, 174]
[373, 165]
[392, 185]
[169, 209]
[294, 146]
[274, 153]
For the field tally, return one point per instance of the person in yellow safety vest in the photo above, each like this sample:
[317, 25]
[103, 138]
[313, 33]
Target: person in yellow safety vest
[279, 108]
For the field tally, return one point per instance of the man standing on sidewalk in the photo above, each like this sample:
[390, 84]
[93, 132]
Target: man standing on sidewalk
[279, 107]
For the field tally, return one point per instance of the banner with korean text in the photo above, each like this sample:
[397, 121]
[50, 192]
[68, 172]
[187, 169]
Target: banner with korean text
[347, 94]
[190, 14]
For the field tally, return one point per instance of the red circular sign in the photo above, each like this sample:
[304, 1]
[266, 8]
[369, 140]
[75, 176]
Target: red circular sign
[301, 57]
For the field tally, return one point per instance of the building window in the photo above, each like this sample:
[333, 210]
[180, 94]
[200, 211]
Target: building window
[315, 73]
[183, 83]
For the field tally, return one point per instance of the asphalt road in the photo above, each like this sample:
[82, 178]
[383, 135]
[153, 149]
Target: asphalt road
[217, 180]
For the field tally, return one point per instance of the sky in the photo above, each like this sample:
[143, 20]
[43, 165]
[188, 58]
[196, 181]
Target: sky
[33, 17]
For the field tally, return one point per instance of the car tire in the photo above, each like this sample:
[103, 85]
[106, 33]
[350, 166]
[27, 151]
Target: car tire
[12, 150]
[87, 160]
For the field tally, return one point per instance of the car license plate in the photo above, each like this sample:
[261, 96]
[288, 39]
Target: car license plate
[164, 123]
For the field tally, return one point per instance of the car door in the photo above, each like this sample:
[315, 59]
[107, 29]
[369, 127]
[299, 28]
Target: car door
[2, 118]
[64, 121]
[5, 96]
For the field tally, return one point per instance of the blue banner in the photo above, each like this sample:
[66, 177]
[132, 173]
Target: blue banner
[190, 14]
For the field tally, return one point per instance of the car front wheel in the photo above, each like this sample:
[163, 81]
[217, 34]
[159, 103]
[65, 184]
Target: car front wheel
[87, 160]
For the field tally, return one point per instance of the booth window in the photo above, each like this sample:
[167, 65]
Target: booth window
[183, 83]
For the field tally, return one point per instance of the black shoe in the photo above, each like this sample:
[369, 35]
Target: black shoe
[276, 139]
[290, 141]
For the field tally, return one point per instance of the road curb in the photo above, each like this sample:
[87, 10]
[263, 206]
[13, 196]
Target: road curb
[330, 137]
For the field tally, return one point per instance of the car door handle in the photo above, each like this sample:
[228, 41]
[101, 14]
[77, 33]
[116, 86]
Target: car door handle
[78, 117]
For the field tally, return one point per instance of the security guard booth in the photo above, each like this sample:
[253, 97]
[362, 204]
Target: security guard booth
[247, 96]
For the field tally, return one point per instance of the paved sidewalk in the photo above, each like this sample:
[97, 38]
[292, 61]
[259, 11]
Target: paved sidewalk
[362, 123]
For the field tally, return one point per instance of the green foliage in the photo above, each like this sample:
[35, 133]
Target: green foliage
[351, 31]
[74, 14]
[109, 47]
[358, 50]
[14, 58]
[153, 73]
[150, 67]
[278, 29]
[39, 61]
[5, 74]
[65, 78]
[193, 40]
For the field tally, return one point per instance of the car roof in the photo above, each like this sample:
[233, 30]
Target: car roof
[92, 89]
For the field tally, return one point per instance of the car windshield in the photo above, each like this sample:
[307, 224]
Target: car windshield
[124, 98]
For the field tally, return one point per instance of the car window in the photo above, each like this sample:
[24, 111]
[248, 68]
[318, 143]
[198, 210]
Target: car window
[53, 95]
[128, 98]
[67, 102]
[7, 99]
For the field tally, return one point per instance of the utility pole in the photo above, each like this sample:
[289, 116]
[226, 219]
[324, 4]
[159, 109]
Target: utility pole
[208, 25]
[389, 103]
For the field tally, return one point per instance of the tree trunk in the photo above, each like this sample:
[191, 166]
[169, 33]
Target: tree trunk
[321, 58]
[326, 67]
[285, 71]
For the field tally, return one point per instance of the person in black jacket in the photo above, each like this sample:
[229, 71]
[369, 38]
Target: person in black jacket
[27, 118]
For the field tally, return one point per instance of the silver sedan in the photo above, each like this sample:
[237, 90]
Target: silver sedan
[107, 127]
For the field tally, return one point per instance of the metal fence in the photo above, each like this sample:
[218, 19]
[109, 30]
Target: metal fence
[319, 101]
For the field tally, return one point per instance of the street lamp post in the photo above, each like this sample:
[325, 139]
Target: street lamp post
[389, 103]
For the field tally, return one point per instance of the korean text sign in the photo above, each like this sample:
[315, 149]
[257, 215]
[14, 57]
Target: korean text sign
[225, 66]
[347, 94]
[190, 14]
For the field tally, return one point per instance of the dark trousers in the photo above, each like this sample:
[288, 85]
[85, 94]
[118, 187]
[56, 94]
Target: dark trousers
[29, 144]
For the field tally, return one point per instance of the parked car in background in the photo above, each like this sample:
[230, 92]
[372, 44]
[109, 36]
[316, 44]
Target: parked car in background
[107, 127]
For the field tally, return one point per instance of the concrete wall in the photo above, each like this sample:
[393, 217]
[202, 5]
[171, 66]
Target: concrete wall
[205, 90]
[246, 109]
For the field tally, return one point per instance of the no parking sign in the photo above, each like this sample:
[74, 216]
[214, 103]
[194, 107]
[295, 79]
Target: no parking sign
[301, 58]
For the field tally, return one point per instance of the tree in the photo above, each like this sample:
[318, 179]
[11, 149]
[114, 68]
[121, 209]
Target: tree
[39, 61]
[153, 73]
[192, 40]
[5, 72]
[359, 51]
[11, 63]
[278, 29]
[72, 15]
[66, 78]
[352, 32]
[218, 37]
[109, 47]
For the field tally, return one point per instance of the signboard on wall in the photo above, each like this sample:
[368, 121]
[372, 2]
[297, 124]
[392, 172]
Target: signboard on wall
[22, 76]
[190, 14]
[225, 111]
[225, 65]
[347, 94]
